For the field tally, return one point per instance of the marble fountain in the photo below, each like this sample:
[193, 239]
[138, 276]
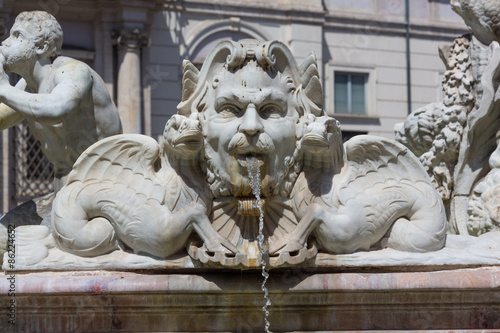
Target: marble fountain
[251, 214]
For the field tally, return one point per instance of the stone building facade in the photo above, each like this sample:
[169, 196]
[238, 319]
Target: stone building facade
[364, 48]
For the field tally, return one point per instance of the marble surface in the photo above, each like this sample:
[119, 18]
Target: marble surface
[36, 251]
[304, 299]
[65, 102]
[252, 165]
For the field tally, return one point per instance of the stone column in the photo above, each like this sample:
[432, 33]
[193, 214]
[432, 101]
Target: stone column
[129, 43]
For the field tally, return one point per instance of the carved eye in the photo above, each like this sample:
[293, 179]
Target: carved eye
[229, 110]
[331, 128]
[271, 111]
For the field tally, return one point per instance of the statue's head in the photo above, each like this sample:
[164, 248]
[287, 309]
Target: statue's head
[33, 33]
[251, 98]
[182, 138]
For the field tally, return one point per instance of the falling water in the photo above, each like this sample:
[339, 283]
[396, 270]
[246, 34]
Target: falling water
[254, 173]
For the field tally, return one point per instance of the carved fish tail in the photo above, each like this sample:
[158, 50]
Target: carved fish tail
[424, 227]
[74, 228]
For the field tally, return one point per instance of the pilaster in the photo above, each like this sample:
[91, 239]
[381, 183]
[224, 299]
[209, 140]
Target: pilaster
[129, 44]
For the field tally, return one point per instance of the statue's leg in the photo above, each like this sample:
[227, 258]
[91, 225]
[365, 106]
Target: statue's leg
[202, 226]
[296, 239]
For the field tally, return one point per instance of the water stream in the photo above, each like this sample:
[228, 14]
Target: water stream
[254, 174]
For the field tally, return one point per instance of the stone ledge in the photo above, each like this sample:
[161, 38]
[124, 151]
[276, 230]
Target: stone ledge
[303, 300]
[35, 250]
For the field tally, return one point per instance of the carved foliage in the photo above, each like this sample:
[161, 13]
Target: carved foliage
[484, 205]
[434, 132]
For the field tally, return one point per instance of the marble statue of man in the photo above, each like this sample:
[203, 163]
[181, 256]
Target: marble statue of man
[65, 102]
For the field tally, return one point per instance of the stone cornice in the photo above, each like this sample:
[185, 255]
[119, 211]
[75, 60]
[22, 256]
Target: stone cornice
[304, 6]
[249, 10]
[393, 25]
[346, 21]
[81, 9]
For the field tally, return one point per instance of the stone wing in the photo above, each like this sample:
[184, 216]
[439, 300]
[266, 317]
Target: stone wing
[129, 159]
[370, 160]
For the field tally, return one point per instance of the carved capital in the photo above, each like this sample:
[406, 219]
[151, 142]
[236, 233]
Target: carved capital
[131, 39]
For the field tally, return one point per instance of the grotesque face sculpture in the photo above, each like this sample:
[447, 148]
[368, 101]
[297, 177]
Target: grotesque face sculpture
[250, 114]
[251, 98]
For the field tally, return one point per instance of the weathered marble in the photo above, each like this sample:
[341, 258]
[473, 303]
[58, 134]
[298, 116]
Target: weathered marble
[480, 17]
[304, 299]
[250, 103]
[66, 103]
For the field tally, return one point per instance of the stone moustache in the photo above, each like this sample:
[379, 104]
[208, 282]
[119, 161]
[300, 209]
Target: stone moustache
[249, 101]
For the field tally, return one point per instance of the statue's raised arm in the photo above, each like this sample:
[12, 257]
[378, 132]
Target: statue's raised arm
[8, 116]
[66, 104]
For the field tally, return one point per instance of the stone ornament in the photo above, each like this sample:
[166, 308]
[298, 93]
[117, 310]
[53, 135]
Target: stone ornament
[128, 192]
[456, 140]
[379, 198]
[133, 39]
[249, 104]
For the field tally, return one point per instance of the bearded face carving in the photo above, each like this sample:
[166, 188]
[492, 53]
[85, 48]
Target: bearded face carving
[256, 120]
[251, 98]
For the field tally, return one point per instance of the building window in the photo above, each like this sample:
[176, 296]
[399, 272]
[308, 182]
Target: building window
[350, 93]
[347, 135]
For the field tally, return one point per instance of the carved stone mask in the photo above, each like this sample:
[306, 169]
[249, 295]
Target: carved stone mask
[251, 97]
[250, 114]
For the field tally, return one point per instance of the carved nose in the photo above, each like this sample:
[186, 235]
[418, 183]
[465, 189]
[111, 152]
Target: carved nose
[251, 123]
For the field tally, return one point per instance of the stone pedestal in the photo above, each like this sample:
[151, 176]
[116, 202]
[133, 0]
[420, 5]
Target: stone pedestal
[304, 299]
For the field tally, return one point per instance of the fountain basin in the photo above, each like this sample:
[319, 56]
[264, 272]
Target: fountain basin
[304, 299]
